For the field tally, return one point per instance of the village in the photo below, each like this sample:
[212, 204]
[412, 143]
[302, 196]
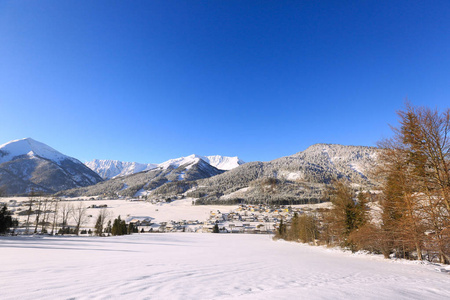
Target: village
[159, 217]
[252, 219]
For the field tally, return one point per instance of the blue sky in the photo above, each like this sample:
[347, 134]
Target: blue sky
[148, 81]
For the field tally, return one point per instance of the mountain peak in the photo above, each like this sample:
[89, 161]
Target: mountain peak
[30, 147]
[27, 165]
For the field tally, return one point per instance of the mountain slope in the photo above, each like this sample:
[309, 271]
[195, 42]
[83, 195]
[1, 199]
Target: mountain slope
[299, 177]
[27, 165]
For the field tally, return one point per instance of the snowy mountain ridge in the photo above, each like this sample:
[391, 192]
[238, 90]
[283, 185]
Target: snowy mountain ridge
[31, 148]
[108, 169]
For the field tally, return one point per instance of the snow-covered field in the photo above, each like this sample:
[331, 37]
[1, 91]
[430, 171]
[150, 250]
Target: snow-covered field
[204, 266]
[160, 212]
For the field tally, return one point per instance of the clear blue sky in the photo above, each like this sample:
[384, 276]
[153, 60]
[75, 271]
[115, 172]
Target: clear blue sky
[148, 81]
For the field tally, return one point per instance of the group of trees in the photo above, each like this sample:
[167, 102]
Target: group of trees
[53, 216]
[414, 175]
[51, 213]
[335, 226]
[119, 227]
[415, 168]
[303, 228]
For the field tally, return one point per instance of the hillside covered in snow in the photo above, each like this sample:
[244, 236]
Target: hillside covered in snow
[298, 178]
[27, 165]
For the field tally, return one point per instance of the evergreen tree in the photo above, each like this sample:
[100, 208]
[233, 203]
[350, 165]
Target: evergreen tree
[99, 226]
[216, 228]
[116, 227]
[119, 227]
[281, 232]
[6, 221]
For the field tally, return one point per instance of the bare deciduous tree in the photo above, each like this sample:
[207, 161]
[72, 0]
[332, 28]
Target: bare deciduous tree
[66, 210]
[79, 215]
[55, 203]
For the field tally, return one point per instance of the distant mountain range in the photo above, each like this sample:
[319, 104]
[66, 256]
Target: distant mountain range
[27, 165]
[297, 178]
[172, 177]
[108, 169]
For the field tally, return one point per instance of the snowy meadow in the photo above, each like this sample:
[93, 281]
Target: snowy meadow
[205, 266]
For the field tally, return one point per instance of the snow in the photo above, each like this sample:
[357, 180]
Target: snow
[223, 162]
[32, 148]
[235, 194]
[204, 266]
[176, 162]
[288, 175]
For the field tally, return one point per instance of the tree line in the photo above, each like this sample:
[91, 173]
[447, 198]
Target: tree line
[54, 216]
[414, 197]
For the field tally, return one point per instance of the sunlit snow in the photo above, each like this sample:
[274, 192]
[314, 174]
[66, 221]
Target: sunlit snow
[204, 266]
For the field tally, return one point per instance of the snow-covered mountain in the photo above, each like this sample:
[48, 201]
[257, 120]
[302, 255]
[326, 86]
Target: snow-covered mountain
[27, 165]
[30, 148]
[218, 161]
[170, 178]
[300, 177]
[108, 169]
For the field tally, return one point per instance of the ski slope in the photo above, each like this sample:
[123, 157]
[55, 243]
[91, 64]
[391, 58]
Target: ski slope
[204, 266]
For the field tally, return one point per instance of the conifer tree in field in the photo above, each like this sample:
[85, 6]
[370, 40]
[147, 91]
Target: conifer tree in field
[119, 227]
[99, 226]
[116, 229]
[101, 221]
[6, 221]
[281, 231]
